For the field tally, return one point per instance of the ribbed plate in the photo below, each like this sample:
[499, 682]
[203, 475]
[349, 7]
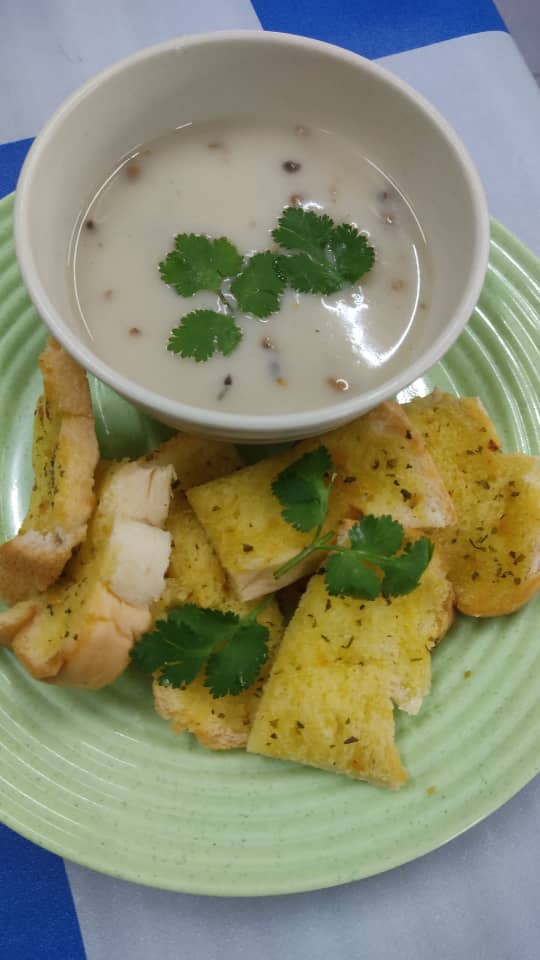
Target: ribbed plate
[100, 779]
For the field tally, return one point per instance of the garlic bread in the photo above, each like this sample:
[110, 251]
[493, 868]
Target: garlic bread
[64, 457]
[342, 665]
[80, 631]
[493, 552]
[196, 576]
[382, 467]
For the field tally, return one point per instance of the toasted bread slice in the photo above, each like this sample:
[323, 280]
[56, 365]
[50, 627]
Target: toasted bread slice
[383, 467]
[196, 576]
[341, 666]
[64, 457]
[243, 521]
[195, 459]
[493, 554]
[80, 631]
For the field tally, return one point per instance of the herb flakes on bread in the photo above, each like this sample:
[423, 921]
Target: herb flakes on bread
[64, 457]
[382, 467]
[80, 631]
[493, 552]
[341, 667]
[195, 576]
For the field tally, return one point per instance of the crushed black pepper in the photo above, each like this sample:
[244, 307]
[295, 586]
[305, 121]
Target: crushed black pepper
[291, 166]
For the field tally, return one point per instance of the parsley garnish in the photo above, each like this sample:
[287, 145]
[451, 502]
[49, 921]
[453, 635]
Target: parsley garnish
[376, 560]
[199, 263]
[302, 491]
[319, 257]
[202, 333]
[231, 649]
[328, 257]
[259, 287]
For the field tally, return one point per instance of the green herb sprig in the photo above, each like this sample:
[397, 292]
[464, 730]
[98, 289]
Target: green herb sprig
[230, 649]
[377, 559]
[319, 257]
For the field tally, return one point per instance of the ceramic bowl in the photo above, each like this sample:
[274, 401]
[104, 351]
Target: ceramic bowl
[233, 75]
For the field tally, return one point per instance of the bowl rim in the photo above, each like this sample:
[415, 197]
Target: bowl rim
[215, 421]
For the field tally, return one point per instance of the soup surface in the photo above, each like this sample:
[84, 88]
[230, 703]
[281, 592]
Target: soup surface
[233, 179]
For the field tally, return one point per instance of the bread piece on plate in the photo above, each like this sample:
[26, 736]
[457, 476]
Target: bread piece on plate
[493, 554]
[341, 667]
[196, 576]
[64, 457]
[243, 521]
[80, 631]
[195, 459]
[383, 467]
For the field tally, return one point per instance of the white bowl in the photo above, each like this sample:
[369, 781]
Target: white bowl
[228, 75]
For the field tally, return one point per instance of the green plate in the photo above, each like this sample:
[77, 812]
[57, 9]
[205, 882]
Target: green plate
[100, 779]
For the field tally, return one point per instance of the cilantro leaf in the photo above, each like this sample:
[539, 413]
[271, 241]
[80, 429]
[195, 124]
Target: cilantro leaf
[202, 333]
[304, 230]
[353, 255]
[309, 276]
[258, 288]
[372, 563]
[199, 263]
[204, 621]
[238, 664]
[174, 647]
[402, 573]
[378, 540]
[346, 575]
[233, 648]
[381, 535]
[326, 258]
[302, 491]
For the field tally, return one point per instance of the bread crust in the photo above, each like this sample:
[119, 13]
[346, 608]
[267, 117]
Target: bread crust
[79, 632]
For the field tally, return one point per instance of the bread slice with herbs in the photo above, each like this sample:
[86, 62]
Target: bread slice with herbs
[195, 576]
[493, 553]
[64, 457]
[342, 665]
[80, 631]
[195, 459]
[382, 467]
[243, 520]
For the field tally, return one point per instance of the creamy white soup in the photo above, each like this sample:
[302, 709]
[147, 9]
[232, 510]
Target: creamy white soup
[234, 179]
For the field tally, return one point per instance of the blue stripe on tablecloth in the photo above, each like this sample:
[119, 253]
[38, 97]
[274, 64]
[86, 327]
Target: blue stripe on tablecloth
[37, 915]
[378, 28]
[11, 160]
[374, 29]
